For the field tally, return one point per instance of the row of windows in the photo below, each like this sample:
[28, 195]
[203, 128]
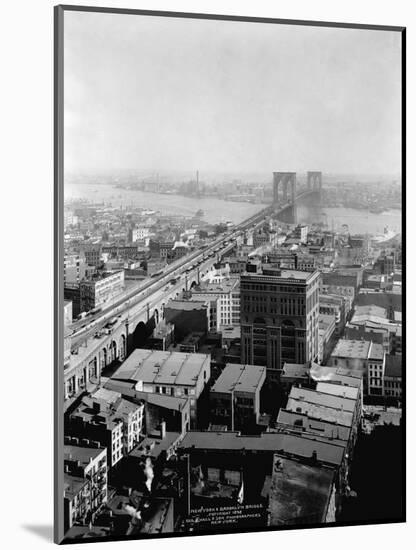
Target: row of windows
[135, 426]
[117, 432]
[389, 384]
[313, 299]
[395, 393]
[273, 299]
[292, 307]
[244, 401]
[273, 321]
[116, 456]
[167, 390]
[272, 288]
[287, 308]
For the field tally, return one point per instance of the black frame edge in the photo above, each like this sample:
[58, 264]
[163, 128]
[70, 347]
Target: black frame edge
[58, 528]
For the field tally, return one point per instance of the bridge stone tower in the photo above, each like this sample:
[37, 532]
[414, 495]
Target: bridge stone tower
[281, 200]
[314, 181]
[314, 188]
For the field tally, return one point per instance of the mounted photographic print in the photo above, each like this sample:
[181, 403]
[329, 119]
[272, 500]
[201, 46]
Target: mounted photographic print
[229, 274]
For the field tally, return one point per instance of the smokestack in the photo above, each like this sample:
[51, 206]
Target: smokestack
[162, 429]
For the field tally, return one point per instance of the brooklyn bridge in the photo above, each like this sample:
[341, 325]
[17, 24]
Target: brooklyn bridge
[112, 333]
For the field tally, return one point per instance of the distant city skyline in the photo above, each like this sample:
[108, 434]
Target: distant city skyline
[184, 94]
[213, 176]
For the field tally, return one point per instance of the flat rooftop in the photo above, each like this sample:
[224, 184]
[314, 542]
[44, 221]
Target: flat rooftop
[283, 275]
[376, 351]
[320, 412]
[102, 275]
[107, 395]
[223, 287]
[348, 270]
[240, 378]
[296, 370]
[354, 349]
[303, 447]
[370, 321]
[338, 390]
[82, 454]
[303, 423]
[158, 399]
[203, 298]
[162, 367]
[382, 291]
[336, 375]
[299, 493]
[324, 399]
[109, 414]
[153, 445]
[347, 377]
[377, 311]
[232, 332]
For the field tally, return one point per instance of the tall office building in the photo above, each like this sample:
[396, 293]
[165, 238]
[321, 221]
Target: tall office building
[279, 317]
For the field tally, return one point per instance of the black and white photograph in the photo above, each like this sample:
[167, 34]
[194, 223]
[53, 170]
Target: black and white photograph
[229, 243]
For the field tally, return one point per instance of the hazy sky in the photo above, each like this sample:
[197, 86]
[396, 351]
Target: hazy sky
[184, 94]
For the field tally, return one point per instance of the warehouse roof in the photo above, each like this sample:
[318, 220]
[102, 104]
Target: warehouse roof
[304, 424]
[332, 400]
[338, 389]
[355, 349]
[162, 367]
[243, 378]
[299, 493]
[329, 452]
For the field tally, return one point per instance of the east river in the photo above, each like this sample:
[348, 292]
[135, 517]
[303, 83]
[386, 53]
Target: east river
[217, 210]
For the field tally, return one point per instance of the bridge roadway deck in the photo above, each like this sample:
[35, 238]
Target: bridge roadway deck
[141, 298]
